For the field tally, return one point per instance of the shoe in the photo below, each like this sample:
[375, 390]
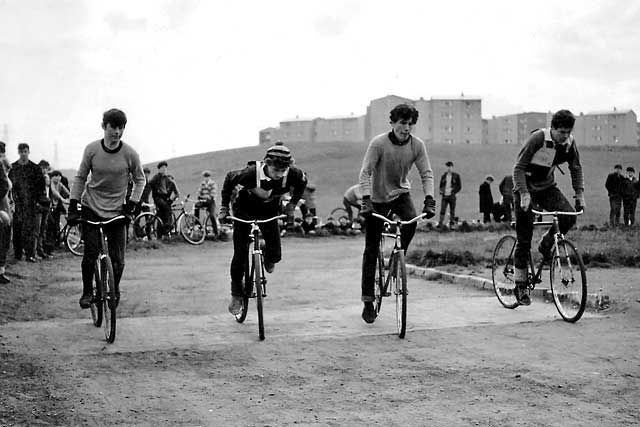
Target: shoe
[235, 305]
[4, 279]
[369, 312]
[31, 259]
[521, 292]
[85, 301]
[44, 255]
[269, 267]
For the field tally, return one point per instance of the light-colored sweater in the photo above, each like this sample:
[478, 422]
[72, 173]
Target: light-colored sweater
[106, 188]
[386, 166]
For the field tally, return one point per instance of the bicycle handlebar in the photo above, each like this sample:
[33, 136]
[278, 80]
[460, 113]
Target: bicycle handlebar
[257, 221]
[411, 221]
[556, 213]
[101, 223]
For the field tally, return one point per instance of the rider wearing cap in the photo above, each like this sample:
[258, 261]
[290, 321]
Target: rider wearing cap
[260, 187]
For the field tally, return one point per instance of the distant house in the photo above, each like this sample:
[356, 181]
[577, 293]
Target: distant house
[377, 118]
[609, 127]
[268, 136]
[339, 129]
[515, 128]
[297, 130]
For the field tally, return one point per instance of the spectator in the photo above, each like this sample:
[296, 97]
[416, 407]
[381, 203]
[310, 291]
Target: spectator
[144, 199]
[207, 199]
[506, 190]
[164, 192]
[28, 185]
[629, 186]
[352, 199]
[309, 202]
[59, 197]
[450, 185]
[614, 187]
[5, 213]
[43, 213]
[486, 199]
[308, 224]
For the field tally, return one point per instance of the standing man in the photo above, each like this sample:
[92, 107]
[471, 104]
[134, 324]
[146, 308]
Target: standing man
[486, 199]
[629, 196]
[111, 162]
[450, 185]
[28, 185]
[614, 187]
[5, 213]
[535, 182]
[164, 192]
[385, 187]
[506, 190]
[207, 194]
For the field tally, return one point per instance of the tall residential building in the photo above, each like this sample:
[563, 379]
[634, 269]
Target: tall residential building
[611, 127]
[342, 128]
[296, 130]
[515, 128]
[456, 120]
[377, 118]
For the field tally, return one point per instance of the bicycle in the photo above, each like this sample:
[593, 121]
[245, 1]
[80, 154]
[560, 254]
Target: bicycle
[395, 281]
[568, 279]
[103, 299]
[255, 281]
[148, 224]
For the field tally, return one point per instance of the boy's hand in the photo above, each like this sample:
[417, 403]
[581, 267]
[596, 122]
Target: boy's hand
[580, 203]
[223, 215]
[429, 207]
[367, 206]
[525, 201]
[73, 217]
[290, 210]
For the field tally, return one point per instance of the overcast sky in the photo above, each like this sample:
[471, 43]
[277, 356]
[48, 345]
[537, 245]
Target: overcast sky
[196, 76]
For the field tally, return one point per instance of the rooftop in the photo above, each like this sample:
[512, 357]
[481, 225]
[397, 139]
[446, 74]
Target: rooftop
[608, 112]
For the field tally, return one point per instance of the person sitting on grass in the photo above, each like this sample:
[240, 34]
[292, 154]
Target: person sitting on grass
[262, 184]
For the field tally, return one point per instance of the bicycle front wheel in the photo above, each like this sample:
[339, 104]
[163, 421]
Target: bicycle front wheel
[399, 283]
[568, 282]
[502, 271]
[258, 281]
[191, 229]
[96, 298]
[248, 287]
[379, 289]
[146, 226]
[109, 299]
[73, 240]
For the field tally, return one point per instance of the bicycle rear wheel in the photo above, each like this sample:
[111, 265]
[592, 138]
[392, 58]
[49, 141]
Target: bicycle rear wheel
[146, 225]
[247, 288]
[568, 282]
[379, 288]
[109, 299]
[258, 276]
[96, 298]
[502, 271]
[73, 240]
[399, 283]
[191, 229]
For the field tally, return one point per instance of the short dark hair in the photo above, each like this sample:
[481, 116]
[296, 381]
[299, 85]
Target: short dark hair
[116, 118]
[631, 169]
[55, 173]
[563, 119]
[162, 163]
[404, 112]
[617, 167]
[23, 146]
[449, 163]
[43, 164]
[146, 170]
[3, 147]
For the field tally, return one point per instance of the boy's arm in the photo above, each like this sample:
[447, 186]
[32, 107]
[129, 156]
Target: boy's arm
[424, 167]
[575, 167]
[299, 184]
[531, 145]
[139, 180]
[369, 163]
[80, 179]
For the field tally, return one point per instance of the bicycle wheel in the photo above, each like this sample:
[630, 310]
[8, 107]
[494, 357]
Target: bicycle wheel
[568, 282]
[191, 229]
[96, 298]
[146, 225]
[73, 240]
[248, 287]
[399, 283]
[109, 299]
[502, 271]
[258, 276]
[379, 288]
[338, 212]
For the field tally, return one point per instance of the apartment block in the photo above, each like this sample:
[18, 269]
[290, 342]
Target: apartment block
[342, 128]
[515, 128]
[456, 120]
[377, 118]
[610, 127]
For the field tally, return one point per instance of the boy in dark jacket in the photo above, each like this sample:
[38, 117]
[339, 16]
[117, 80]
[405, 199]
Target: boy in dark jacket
[450, 185]
[486, 199]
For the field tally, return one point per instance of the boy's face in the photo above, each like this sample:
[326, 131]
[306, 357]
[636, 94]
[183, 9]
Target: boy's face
[163, 170]
[560, 135]
[308, 219]
[402, 129]
[24, 154]
[112, 134]
[55, 179]
[630, 174]
[275, 172]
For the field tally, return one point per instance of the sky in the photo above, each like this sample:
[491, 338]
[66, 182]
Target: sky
[197, 76]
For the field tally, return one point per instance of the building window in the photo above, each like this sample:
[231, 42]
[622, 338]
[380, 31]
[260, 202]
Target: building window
[468, 129]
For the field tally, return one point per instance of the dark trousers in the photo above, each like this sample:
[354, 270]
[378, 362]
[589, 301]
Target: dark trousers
[117, 241]
[629, 207]
[615, 202]
[508, 208]
[43, 244]
[403, 207]
[5, 242]
[24, 231]
[451, 202]
[210, 206]
[550, 199]
[163, 211]
[486, 217]
[272, 251]
[348, 207]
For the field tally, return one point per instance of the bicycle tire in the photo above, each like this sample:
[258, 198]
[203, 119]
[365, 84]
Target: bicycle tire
[570, 300]
[401, 293]
[96, 298]
[146, 225]
[109, 299]
[247, 288]
[73, 240]
[503, 270]
[258, 277]
[379, 289]
[338, 212]
[191, 229]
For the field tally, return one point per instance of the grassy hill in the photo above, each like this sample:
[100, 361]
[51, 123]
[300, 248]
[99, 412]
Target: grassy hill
[333, 167]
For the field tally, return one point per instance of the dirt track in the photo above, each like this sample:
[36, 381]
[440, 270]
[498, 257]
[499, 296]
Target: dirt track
[180, 358]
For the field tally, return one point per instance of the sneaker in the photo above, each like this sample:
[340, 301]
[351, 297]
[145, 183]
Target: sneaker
[85, 301]
[235, 305]
[269, 267]
[4, 279]
[521, 292]
[369, 312]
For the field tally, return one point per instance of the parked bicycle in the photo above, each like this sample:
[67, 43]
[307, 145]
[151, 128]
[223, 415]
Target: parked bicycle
[568, 278]
[104, 300]
[391, 276]
[185, 223]
[255, 281]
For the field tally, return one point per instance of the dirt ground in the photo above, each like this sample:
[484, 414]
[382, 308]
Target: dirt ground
[180, 359]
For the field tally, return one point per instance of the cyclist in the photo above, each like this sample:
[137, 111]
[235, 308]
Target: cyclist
[261, 184]
[110, 161]
[534, 181]
[207, 199]
[385, 187]
[352, 199]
